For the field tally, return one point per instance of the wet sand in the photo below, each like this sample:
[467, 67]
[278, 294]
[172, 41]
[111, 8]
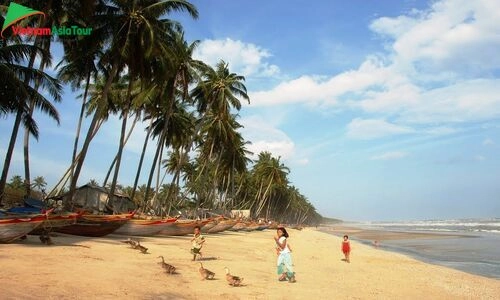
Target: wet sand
[384, 235]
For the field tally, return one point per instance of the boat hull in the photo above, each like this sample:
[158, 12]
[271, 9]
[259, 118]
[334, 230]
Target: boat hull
[138, 227]
[182, 227]
[55, 221]
[13, 228]
[222, 225]
[95, 225]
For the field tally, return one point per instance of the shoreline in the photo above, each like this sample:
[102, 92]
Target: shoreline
[105, 268]
[446, 249]
[379, 234]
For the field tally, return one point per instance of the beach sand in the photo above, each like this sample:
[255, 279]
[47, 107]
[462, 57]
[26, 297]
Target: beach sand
[104, 268]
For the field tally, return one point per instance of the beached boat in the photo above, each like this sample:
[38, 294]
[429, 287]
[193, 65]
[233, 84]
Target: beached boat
[95, 225]
[222, 225]
[52, 221]
[14, 227]
[251, 226]
[262, 227]
[183, 227]
[143, 227]
[210, 224]
[239, 226]
[55, 220]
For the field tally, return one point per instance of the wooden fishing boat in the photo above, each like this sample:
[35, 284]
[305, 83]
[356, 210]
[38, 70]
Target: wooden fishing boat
[143, 227]
[223, 225]
[96, 225]
[56, 220]
[183, 227]
[14, 227]
[209, 225]
[251, 226]
[262, 227]
[239, 226]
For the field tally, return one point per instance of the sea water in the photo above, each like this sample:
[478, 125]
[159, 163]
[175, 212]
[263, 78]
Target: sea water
[474, 246]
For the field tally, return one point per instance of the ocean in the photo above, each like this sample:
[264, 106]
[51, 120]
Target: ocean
[471, 245]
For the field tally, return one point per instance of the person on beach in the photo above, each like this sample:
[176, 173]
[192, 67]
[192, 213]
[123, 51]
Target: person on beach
[284, 263]
[346, 248]
[197, 243]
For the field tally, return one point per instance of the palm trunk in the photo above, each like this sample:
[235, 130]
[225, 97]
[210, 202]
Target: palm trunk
[88, 138]
[13, 137]
[127, 137]
[163, 135]
[141, 160]
[10, 150]
[79, 126]
[122, 138]
[26, 151]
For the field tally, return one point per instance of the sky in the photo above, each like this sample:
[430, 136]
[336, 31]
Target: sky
[382, 110]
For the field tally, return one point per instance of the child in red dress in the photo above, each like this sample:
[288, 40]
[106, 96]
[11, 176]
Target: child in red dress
[346, 248]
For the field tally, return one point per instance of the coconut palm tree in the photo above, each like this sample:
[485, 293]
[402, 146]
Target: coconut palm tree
[271, 175]
[139, 35]
[16, 86]
[135, 32]
[180, 70]
[39, 183]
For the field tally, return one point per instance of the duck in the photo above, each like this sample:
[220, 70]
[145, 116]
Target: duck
[141, 248]
[131, 242]
[231, 279]
[168, 268]
[205, 273]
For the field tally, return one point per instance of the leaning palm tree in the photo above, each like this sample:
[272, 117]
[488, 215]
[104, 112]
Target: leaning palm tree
[177, 72]
[271, 175]
[16, 86]
[57, 12]
[135, 32]
[78, 67]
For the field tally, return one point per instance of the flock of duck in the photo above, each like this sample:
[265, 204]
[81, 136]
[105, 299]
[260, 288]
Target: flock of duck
[170, 269]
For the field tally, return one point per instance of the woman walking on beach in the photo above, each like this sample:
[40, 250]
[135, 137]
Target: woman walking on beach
[346, 248]
[285, 265]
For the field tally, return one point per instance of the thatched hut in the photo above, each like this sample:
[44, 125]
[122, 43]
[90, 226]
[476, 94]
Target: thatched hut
[96, 199]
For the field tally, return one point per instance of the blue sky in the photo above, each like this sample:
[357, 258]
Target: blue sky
[383, 110]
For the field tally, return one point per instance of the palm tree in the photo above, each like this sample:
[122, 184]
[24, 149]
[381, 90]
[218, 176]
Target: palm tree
[271, 175]
[39, 183]
[180, 70]
[134, 34]
[79, 66]
[141, 36]
[215, 95]
[219, 91]
[16, 86]
[56, 11]
[16, 182]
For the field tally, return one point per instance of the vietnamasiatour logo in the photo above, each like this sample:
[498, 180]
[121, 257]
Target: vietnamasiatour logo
[17, 12]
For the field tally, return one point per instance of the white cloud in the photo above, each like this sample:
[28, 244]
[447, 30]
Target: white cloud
[440, 68]
[266, 137]
[320, 90]
[488, 142]
[244, 58]
[453, 34]
[371, 129]
[390, 155]
[440, 130]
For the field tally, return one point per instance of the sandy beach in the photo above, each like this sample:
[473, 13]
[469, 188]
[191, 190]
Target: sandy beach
[104, 268]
